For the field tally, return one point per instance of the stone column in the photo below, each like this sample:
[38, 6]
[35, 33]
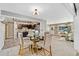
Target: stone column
[15, 30]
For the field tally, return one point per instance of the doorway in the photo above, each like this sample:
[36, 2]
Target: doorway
[9, 30]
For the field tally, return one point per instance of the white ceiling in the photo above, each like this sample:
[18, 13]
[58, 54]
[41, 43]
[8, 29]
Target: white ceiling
[48, 11]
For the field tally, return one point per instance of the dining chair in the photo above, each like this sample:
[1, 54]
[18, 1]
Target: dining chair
[46, 45]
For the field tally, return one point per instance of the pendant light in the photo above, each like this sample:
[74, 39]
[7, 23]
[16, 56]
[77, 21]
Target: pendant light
[35, 12]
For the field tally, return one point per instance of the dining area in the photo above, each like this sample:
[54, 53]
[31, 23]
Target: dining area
[28, 41]
[31, 42]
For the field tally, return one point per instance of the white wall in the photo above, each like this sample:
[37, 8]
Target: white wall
[61, 20]
[76, 32]
[2, 34]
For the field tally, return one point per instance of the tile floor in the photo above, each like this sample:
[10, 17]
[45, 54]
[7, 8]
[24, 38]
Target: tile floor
[8, 43]
[60, 47]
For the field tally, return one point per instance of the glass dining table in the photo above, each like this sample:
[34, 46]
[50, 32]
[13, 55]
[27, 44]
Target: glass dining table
[34, 48]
